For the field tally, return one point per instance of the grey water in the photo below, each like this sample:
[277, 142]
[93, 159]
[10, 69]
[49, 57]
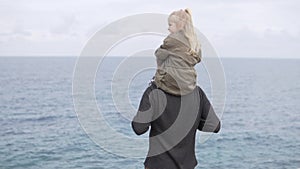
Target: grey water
[39, 127]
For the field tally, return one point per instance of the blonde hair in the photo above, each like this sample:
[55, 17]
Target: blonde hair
[183, 20]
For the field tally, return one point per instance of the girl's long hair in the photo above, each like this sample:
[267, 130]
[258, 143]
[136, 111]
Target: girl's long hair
[183, 19]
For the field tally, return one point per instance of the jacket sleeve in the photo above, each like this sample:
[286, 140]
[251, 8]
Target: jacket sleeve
[163, 51]
[141, 121]
[200, 55]
[161, 54]
[209, 121]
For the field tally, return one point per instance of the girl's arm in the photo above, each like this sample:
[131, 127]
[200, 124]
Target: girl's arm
[199, 55]
[163, 52]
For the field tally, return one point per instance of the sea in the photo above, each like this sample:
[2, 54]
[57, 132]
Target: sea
[40, 126]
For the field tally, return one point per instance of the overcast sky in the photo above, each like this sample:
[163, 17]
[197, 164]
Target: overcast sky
[236, 28]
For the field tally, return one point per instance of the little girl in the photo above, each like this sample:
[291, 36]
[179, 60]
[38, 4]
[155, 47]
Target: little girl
[178, 55]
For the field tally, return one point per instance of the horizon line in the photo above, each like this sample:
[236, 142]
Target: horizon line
[73, 56]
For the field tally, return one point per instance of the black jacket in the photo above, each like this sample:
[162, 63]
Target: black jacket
[174, 121]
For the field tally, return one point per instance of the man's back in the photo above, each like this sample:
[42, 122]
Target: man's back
[174, 121]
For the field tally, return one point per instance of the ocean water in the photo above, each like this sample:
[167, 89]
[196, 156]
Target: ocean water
[39, 127]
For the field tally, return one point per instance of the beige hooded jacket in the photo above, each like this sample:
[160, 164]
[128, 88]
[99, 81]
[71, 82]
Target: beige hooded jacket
[175, 72]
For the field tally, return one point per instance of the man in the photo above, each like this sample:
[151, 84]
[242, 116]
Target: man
[174, 121]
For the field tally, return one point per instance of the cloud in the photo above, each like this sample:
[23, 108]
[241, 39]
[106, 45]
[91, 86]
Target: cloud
[237, 28]
[248, 43]
[66, 25]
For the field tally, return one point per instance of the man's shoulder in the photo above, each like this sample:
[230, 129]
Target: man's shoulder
[199, 88]
[151, 86]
